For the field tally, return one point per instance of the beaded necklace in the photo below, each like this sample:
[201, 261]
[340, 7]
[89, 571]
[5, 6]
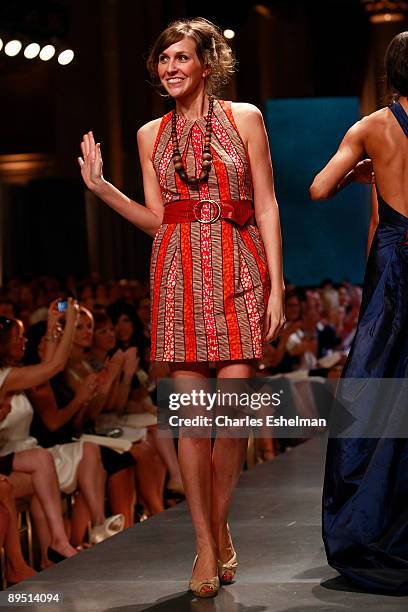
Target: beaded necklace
[206, 156]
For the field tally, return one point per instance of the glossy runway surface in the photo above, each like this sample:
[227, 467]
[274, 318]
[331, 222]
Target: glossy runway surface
[275, 523]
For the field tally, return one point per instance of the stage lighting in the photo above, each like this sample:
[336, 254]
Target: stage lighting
[32, 50]
[47, 52]
[65, 57]
[263, 10]
[229, 34]
[1, 44]
[12, 48]
[384, 11]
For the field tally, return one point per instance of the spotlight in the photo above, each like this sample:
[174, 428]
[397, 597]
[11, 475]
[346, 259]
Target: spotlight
[1, 44]
[47, 52]
[32, 50]
[229, 34]
[12, 48]
[65, 57]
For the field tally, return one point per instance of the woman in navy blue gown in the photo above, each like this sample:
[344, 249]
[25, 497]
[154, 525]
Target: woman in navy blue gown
[365, 496]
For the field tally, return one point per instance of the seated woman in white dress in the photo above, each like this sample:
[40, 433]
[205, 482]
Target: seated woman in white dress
[31, 469]
[22, 450]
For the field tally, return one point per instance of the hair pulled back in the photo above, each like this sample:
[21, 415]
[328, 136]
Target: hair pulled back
[396, 65]
[211, 48]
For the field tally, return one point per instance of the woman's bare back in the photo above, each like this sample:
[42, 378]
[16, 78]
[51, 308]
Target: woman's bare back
[387, 145]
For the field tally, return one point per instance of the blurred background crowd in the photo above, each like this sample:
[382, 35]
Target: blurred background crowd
[108, 387]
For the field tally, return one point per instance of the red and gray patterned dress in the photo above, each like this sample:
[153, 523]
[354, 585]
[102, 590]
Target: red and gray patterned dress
[209, 282]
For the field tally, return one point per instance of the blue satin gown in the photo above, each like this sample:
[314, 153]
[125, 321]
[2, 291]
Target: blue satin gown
[365, 495]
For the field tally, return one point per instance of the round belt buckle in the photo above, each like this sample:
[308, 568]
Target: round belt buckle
[216, 206]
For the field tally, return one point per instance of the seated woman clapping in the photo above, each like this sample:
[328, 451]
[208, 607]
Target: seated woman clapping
[119, 467]
[32, 470]
[149, 469]
[79, 462]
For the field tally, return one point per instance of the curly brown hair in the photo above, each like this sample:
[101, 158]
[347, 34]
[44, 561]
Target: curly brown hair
[211, 48]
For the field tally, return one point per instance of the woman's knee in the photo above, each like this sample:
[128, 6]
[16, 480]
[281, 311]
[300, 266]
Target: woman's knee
[43, 459]
[91, 451]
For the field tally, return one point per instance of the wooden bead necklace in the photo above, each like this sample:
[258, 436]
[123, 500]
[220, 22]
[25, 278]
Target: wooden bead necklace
[206, 156]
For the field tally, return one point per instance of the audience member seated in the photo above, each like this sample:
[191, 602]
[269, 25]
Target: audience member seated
[16, 568]
[130, 332]
[119, 467]
[32, 469]
[52, 427]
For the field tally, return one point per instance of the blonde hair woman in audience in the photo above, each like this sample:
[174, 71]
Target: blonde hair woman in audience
[52, 427]
[120, 485]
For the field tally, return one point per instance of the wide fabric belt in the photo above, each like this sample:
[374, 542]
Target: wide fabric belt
[186, 211]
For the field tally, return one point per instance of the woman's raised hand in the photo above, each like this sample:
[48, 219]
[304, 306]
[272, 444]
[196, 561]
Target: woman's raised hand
[91, 162]
[87, 390]
[132, 360]
[72, 312]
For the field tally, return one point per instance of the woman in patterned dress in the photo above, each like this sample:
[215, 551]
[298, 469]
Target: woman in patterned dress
[216, 277]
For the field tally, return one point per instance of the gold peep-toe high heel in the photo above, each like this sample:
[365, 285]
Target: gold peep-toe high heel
[196, 586]
[228, 567]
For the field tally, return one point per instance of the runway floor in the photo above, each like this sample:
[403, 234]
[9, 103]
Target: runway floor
[275, 522]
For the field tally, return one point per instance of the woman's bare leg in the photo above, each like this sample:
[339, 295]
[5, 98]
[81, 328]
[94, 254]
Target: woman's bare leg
[150, 474]
[80, 517]
[4, 523]
[39, 464]
[122, 494]
[42, 531]
[195, 465]
[165, 448]
[91, 482]
[227, 459]
[16, 568]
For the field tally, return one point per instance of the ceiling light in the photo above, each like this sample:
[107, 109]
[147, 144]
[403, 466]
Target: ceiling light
[12, 48]
[32, 50]
[229, 33]
[65, 57]
[47, 52]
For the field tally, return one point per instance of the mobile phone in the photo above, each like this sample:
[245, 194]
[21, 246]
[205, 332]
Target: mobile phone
[62, 305]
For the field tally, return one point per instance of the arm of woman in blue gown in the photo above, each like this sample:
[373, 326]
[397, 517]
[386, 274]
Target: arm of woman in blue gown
[345, 166]
[147, 218]
[252, 129]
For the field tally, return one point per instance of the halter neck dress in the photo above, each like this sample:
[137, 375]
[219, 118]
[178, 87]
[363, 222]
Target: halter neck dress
[209, 283]
[365, 496]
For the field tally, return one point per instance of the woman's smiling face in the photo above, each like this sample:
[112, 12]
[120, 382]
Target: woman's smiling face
[179, 68]
[104, 337]
[84, 331]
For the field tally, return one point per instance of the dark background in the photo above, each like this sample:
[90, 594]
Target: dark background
[299, 49]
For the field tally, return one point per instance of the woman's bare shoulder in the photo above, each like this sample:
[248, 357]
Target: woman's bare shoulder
[146, 136]
[149, 130]
[150, 126]
[245, 110]
[376, 119]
